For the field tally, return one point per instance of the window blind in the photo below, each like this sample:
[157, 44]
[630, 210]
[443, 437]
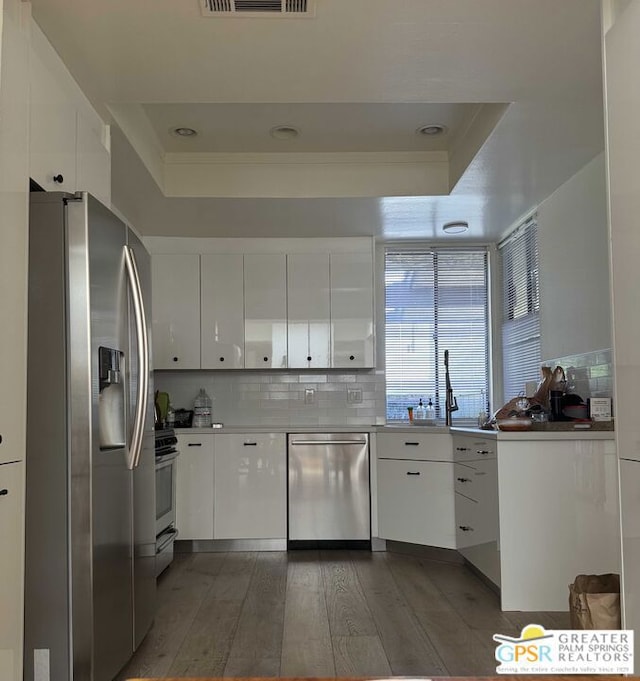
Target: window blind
[436, 300]
[520, 309]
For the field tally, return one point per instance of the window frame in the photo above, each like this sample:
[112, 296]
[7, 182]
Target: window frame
[437, 392]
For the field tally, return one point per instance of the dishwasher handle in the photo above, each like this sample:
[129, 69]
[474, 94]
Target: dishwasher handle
[328, 442]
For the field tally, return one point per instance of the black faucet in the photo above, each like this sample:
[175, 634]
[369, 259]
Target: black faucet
[450, 403]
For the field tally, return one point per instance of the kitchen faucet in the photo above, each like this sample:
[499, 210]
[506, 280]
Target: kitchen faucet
[450, 403]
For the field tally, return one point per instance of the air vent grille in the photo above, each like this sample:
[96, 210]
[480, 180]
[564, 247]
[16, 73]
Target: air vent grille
[272, 8]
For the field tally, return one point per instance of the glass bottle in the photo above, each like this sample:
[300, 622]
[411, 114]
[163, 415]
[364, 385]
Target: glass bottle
[430, 411]
[202, 410]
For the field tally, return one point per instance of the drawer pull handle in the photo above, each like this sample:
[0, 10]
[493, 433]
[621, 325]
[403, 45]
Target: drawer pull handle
[4, 492]
[250, 444]
[195, 444]
[483, 451]
[412, 473]
[462, 449]
[463, 479]
[412, 444]
[465, 528]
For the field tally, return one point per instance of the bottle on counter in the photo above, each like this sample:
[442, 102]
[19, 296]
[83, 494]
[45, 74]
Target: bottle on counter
[202, 410]
[420, 411]
[430, 411]
[171, 417]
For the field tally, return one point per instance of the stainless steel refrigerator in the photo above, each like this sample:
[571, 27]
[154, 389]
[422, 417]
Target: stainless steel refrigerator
[90, 496]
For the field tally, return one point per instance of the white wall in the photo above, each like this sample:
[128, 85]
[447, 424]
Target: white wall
[622, 60]
[14, 62]
[575, 305]
[14, 188]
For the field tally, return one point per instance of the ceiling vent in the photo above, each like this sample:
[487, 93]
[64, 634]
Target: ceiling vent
[258, 8]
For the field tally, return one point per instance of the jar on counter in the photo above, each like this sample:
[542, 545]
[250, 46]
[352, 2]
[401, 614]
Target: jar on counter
[202, 410]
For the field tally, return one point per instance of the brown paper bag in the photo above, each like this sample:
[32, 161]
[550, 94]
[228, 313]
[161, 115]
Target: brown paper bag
[594, 602]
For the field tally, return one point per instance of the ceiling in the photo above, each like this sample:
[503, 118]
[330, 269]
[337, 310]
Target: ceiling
[516, 83]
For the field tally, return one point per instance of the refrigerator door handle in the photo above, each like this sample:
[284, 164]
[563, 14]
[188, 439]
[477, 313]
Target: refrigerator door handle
[143, 358]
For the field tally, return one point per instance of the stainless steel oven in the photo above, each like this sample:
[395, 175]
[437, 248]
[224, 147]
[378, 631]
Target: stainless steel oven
[166, 469]
[165, 491]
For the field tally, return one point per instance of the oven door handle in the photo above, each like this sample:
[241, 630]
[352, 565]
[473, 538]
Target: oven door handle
[165, 539]
[164, 459]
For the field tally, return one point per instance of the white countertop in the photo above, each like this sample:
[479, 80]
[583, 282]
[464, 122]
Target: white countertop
[500, 435]
[586, 434]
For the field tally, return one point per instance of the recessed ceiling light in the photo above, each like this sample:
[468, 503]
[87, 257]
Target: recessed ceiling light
[431, 130]
[457, 227]
[184, 132]
[284, 132]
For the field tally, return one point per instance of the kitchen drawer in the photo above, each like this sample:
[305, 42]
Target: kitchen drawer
[477, 480]
[473, 448]
[414, 447]
[476, 522]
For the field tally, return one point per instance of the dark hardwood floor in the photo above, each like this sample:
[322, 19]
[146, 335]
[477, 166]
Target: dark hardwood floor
[324, 614]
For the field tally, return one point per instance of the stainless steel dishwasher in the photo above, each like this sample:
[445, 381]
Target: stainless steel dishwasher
[329, 499]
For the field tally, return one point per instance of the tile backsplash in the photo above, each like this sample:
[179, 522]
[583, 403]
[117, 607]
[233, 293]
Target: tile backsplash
[263, 398]
[589, 374]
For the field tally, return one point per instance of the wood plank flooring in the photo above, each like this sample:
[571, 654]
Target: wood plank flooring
[324, 614]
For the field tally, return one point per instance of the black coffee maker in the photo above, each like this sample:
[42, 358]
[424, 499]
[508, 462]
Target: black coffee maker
[556, 402]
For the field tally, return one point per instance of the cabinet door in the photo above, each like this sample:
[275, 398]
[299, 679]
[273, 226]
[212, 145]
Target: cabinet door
[222, 316]
[52, 138]
[416, 502]
[11, 570]
[194, 486]
[251, 487]
[308, 305]
[176, 311]
[352, 310]
[265, 311]
[93, 161]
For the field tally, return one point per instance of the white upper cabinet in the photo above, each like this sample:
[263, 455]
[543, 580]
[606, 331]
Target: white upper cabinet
[176, 311]
[308, 322]
[52, 137]
[352, 325]
[262, 304]
[93, 162]
[67, 139]
[265, 311]
[222, 311]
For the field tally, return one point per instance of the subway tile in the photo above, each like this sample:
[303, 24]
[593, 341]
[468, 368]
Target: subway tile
[274, 387]
[332, 387]
[312, 378]
[343, 378]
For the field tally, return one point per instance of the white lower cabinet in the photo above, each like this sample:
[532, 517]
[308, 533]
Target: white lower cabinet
[11, 570]
[415, 488]
[415, 502]
[194, 486]
[250, 486]
[476, 503]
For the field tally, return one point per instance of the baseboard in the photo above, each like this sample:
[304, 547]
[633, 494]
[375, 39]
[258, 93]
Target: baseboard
[430, 552]
[223, 545]
[344, 544]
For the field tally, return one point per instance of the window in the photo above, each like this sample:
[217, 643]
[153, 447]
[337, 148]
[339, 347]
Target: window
[436, 300]
[520, 309]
